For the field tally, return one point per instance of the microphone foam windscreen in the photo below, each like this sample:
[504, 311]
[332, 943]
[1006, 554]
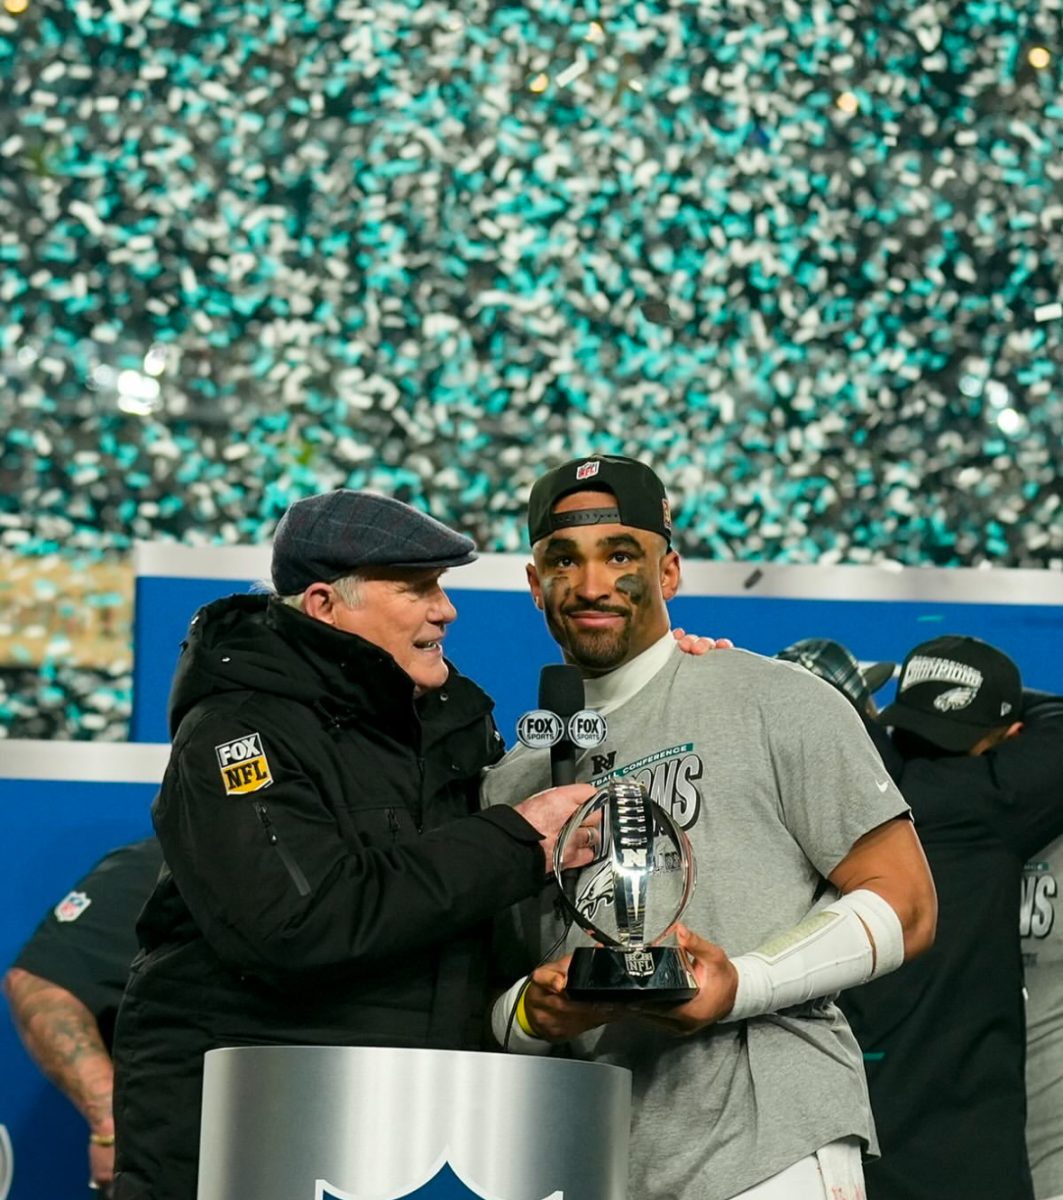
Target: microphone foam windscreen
[561, 689]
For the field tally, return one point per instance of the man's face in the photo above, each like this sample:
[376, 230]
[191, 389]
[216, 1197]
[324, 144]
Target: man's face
[603, 588]
[405, 613]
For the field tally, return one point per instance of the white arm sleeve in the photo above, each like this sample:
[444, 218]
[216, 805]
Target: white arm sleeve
[853, 939]
[503, 1015]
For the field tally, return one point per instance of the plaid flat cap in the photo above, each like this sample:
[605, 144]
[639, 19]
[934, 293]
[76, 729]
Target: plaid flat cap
[837, 665]
[325, 537]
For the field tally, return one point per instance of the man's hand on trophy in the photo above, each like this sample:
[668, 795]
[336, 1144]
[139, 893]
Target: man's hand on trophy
[717, 980]
[552, 1015]
[692, 643]
[548, 811]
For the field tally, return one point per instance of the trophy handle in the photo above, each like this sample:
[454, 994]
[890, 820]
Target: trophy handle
[689, 867]
[600, 937]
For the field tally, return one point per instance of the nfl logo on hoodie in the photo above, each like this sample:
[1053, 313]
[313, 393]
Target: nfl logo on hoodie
[69, 909]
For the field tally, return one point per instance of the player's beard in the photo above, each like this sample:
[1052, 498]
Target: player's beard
[595, 650]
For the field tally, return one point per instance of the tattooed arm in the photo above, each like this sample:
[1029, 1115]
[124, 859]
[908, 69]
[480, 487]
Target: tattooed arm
[62, 1037]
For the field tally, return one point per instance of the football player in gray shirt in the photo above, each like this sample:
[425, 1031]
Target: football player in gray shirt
[811, 878]
[1041, 926]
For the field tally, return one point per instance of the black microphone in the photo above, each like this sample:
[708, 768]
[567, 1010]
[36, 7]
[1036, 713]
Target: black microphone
[561, 692]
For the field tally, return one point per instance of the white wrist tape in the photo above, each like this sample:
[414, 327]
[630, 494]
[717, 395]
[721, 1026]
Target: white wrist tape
[853, 939]
[503, 1017]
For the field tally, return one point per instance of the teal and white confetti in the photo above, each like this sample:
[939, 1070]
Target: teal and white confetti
[803, 257]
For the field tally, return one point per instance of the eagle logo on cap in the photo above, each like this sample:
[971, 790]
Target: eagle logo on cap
[954, 699]
[587, 470]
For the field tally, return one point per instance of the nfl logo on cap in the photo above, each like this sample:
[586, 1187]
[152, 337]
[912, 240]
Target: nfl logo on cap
[587, 470]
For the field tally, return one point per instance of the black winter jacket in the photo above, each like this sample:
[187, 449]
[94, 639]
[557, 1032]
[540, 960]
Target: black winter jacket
[944, 1036]
[329, 873]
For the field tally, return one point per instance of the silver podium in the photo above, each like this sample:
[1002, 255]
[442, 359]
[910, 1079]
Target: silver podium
[367, 1123]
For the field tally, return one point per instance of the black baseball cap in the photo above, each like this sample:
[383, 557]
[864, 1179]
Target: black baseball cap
[641, 501]
[333, 534]
[953, 690]
[837, 665]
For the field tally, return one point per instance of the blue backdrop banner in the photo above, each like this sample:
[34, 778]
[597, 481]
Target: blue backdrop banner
[500, 640]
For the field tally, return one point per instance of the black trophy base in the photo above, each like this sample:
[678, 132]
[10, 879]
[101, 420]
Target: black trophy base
[651, 975]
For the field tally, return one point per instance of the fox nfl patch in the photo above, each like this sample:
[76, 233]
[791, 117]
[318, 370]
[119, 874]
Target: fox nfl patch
[243, 764]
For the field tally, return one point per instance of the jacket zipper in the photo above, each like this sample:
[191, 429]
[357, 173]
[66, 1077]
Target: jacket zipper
[294, 870]
[420, 795]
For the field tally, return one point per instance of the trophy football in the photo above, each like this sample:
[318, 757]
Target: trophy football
[629, 900]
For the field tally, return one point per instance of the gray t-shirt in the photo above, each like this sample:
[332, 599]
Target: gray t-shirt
[770, 772]
[1041, 926]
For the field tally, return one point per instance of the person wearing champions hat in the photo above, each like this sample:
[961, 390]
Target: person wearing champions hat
[810, 877]
[329, 877]
[980, 761]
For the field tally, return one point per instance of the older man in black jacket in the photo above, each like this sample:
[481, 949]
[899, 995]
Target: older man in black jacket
[329, 873]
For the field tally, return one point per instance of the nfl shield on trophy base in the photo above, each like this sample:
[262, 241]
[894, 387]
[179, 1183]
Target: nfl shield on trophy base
[629, 900]
[653, 973]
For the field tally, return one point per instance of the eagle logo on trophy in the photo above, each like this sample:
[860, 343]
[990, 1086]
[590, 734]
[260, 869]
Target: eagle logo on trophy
[445, 1184]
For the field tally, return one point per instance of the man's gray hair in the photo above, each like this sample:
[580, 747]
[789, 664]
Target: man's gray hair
[348, 587]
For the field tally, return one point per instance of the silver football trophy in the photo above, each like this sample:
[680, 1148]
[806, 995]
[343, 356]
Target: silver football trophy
[629, 900]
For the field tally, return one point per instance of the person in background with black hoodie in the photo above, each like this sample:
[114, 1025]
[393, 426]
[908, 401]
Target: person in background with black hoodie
[329, 877]
[980, 761]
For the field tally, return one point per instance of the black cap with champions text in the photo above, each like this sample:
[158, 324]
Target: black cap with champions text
[954, 690]
[641, 501]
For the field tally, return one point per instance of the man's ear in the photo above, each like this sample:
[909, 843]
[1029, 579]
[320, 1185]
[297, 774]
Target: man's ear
[671, 575]
[535, 585]
[996, 737]
[319, 602]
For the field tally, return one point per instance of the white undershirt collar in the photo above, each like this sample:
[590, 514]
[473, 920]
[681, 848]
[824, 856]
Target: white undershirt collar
[607, 692]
